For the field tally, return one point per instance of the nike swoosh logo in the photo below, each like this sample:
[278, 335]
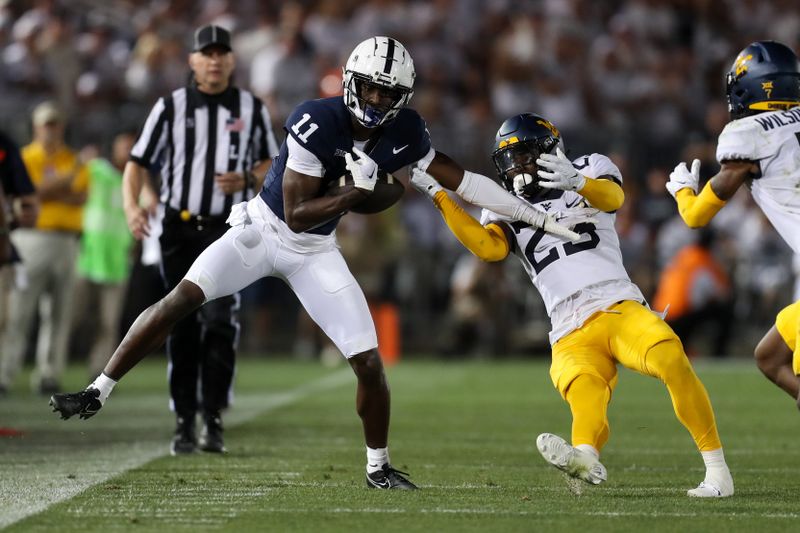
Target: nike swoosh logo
[396, 151]
[573, 204]
[385, 484]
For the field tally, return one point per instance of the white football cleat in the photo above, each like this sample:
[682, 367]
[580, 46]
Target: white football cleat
[717, 484]
[574, 462]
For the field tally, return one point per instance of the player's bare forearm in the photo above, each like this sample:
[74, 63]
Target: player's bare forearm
[446, 171]
[304, 209]
[731, 176]
[306, 214]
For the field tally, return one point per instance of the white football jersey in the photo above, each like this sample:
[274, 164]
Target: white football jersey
[575, 279]
[773, 141]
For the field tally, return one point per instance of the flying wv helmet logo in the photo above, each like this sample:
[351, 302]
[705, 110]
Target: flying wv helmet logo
[740, 65]
[510, 140]
[767, 88]
[549, 126]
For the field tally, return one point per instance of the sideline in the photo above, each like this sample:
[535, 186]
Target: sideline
[36, 487]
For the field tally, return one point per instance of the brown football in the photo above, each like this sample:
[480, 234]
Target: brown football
[388, 190]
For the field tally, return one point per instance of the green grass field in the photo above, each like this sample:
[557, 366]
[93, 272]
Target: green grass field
[465, 431]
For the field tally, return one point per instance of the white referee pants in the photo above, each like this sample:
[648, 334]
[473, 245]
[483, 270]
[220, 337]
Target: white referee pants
[321, 280]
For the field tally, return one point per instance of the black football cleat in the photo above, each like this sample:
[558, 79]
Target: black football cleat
[389, 478]
[211, 435]
[184, 442]
[85, 403]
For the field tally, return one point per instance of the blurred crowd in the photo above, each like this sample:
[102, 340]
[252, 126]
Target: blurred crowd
[639, 80]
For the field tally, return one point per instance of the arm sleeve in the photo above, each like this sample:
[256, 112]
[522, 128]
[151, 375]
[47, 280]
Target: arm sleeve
[697, 211]
[603, 194]
[153, 137]
[488, 194]
[488, 243]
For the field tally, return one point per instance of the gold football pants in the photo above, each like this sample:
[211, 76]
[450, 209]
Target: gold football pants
[788, 325]
[584, 370]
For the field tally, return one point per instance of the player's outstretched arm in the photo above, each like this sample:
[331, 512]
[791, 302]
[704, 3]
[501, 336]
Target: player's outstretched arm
[484, 192]
[697, 210]
[487, 243]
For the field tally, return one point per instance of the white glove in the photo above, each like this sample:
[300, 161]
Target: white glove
[424, 182]
[364, 171]
[577, 215]
[682, 178]
[538, 219]
[562, 174]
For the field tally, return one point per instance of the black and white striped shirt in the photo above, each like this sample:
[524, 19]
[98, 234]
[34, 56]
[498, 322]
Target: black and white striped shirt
[191, 136]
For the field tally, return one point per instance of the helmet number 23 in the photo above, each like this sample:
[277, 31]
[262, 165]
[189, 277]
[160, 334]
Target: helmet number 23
[306, 134]
[569, 248]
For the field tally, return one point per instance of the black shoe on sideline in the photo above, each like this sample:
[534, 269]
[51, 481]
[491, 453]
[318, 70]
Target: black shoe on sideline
[211, 436]
[184, 442]
[84, 403]
[389, 478]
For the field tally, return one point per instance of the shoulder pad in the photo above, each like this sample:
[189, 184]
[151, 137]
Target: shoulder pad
[596, 165]
[738, 140]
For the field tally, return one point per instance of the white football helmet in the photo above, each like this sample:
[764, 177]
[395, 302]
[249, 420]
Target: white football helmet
[381, 61]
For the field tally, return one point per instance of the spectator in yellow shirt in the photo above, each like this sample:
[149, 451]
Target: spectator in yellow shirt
[48, 253]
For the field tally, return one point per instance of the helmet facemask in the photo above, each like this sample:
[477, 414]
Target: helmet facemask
[367, 114]
[384, 63]
[517, 161]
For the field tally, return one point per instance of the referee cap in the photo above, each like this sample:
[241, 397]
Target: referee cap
[211, 35]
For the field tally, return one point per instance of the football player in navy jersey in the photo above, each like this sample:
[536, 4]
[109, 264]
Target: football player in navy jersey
[288, 231]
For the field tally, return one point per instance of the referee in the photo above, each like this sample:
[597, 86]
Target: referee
[213, 144]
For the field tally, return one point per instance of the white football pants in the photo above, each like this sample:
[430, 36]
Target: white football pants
[251, 249]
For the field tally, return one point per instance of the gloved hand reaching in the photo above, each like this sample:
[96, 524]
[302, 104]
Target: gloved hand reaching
[562, 175]
[424, 182]
[682, 178]
[364, 170]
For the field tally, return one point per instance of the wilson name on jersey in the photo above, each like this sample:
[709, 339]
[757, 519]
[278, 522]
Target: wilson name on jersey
[773, 141]
[323, 127]
[557, 267]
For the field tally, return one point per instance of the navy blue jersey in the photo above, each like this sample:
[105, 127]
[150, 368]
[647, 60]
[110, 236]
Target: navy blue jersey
[324, 128]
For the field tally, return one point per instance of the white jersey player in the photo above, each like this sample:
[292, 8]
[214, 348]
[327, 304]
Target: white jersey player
[760, 148]
[598, 315]
[573, 286]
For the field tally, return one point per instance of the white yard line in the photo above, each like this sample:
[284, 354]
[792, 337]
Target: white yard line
[498, 512]
[31, 490]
